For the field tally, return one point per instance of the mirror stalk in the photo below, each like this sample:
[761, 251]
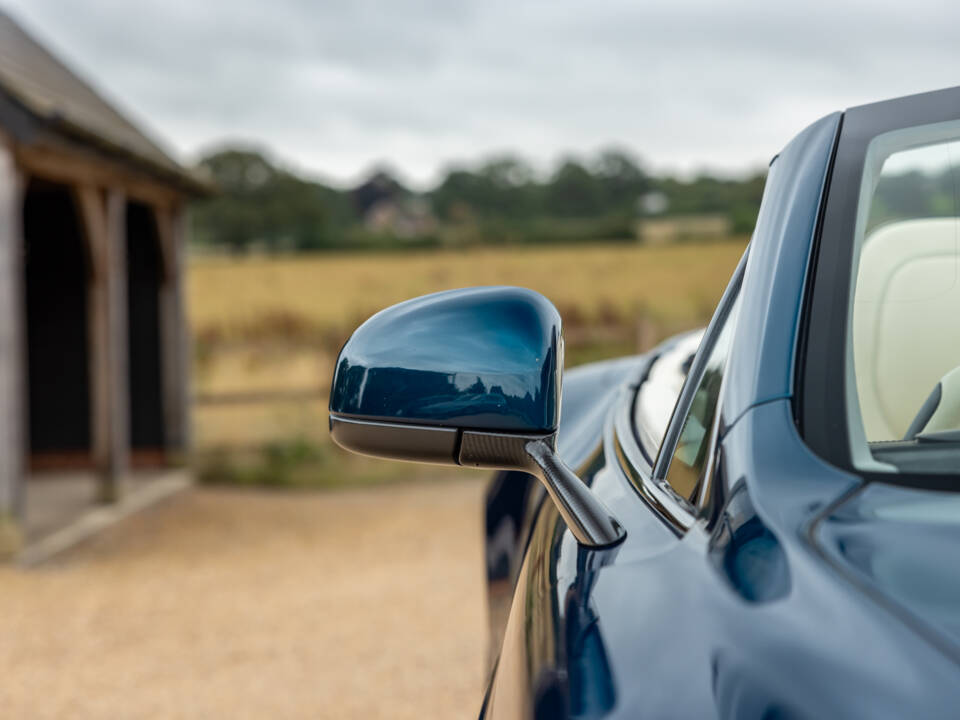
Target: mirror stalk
[591, 523]
[588, 518]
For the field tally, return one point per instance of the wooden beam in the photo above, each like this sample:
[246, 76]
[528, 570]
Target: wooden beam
[13, 377]
[76, 168]
[104, 219]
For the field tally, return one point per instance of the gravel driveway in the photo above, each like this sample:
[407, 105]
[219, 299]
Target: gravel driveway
[246, 604]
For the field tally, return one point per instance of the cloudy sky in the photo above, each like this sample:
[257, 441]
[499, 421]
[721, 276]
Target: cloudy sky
[334, 87]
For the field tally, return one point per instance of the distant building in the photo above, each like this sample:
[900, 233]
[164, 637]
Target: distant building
[93, 341]
[379, 188]
[387, 208]
[409, 217]
[669, 229]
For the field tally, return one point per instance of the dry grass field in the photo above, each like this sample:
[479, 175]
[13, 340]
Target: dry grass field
[242, 298]
[266, 332]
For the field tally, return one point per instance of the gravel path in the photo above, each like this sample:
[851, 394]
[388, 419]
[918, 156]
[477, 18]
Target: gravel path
[243, 604]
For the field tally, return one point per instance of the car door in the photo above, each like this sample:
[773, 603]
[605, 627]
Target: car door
[719, 602]
[555, 659]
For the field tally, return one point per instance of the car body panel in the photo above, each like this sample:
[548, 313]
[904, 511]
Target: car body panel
[745, 620]
[901, 543]
[588, 392]
[514, 498]
[743, 614]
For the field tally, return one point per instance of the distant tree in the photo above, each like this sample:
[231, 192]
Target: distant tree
[500, 200]
[502, 187]
[259, 204]
[620, 179]
[507, 172]
[239, 172]
[738, 200]
[460, 195]
[512, 191]
[573, 192]
[913, 194]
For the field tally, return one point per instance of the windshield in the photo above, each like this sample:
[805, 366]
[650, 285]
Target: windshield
[904, 339]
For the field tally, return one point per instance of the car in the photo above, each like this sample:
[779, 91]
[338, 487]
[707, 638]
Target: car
[760, 520]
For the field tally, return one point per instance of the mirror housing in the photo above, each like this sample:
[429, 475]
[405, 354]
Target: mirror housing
[485, 359]
[466, 377]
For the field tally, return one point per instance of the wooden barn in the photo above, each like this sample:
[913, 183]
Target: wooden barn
[93, 342]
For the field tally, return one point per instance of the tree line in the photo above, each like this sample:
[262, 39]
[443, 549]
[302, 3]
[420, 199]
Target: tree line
[502, 200]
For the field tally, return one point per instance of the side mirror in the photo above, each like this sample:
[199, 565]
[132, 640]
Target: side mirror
[466, 377]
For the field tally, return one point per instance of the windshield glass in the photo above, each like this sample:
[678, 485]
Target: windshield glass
[904, 343]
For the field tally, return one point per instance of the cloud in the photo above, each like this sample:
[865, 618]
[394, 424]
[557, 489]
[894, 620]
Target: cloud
[337, 86]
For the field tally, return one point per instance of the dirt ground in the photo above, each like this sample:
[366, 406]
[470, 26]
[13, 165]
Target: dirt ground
[250, 604]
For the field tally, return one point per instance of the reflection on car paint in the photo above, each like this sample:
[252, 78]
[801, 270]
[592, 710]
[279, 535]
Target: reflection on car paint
[397, 367]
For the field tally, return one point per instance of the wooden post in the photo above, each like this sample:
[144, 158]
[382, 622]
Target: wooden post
[119, 461]
[93, 210]
[13, 378]
[174, 339]
[104, 217]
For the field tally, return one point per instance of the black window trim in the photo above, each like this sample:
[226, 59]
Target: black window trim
[675, 511]
[820, 406]
[694, 377]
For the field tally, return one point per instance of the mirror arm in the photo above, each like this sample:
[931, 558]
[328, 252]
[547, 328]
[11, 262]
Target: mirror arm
[591, 523]
[588, 518]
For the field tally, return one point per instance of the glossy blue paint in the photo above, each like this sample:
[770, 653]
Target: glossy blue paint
[741, 619]
[513, 498]
[588, 392]
[746, 553]
[479, 358]
[763, 350]
[799, 594]
[901, 543]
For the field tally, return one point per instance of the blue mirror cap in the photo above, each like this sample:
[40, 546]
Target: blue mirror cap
[479, 358]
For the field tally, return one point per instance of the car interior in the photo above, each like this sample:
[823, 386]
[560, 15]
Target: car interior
[905, 338]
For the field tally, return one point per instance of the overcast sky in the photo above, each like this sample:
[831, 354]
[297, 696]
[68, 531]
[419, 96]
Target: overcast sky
[334, 87]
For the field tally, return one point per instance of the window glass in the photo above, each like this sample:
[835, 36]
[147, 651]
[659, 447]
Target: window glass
[659, 392]
[904, 342]
[690, 455]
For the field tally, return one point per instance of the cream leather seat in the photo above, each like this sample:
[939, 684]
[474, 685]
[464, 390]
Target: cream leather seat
[906, 320]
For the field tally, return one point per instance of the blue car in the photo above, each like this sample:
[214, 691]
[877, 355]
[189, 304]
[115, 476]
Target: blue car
[753, 521]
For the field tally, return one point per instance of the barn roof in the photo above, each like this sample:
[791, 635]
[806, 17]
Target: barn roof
[63, 102]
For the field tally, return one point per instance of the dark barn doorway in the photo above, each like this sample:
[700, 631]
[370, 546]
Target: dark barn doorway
[56, 271]
[145, 275]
